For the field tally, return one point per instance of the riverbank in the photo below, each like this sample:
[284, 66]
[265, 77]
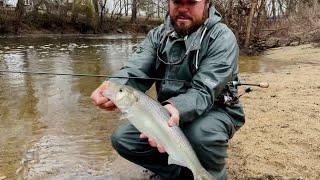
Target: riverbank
[275, 37]
[43, 24]
[280, 139]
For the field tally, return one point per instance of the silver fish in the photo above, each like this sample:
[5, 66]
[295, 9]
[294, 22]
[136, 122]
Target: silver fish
[151, 118]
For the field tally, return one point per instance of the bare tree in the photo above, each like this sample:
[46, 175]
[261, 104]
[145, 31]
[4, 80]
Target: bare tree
[102, 5]
[89, 8]
[134, 9]
[20, 10]
[249, 25]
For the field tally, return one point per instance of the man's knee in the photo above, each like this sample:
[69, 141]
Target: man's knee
[209, 138]
[206, 139]
[116, 137]
[120, 138]
[204, 136]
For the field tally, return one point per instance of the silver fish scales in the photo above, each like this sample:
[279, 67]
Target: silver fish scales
[151, 118]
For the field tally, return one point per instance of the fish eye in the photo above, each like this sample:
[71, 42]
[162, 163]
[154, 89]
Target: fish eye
[120, 90]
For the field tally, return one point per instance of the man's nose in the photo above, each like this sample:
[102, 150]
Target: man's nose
[183, 8]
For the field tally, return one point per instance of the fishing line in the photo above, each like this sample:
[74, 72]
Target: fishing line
[232, 83]
[86, 75]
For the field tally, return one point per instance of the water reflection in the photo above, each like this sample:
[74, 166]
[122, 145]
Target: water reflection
[253, 64]
[48, 123]
[19, 119]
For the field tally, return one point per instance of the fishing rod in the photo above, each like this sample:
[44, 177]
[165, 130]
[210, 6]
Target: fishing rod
[228, 98]
[232, 83]
[87, 75]
[237, 83]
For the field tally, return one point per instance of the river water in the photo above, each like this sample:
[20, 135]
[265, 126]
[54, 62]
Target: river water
[48, 125]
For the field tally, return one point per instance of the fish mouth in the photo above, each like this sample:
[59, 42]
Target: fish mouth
[110, 94]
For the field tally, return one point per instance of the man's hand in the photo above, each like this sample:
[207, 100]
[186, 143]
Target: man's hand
[174, 115]
[174, 120]
[153, 143]
[99, 100]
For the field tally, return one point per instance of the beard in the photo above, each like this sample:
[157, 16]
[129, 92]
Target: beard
[184, 29]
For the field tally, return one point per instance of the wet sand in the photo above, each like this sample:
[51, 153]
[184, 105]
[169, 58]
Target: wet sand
[280, 139]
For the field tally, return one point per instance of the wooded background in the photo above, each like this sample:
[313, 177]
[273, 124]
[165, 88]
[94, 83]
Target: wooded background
[253, 21]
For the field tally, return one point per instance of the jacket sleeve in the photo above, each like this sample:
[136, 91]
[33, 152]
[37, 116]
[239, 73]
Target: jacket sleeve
[141, 64]
[216, 69]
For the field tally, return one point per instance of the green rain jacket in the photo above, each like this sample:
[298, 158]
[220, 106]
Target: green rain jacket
[206, 59]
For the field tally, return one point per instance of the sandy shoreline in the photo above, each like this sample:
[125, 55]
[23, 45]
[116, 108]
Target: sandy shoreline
[280, 139]
[281, 136]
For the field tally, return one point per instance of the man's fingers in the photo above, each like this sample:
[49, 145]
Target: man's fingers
[161, 148]
[143, 136]
[173, 121]
[108, 104]
[100, 100]
[111, 108]
[152, 142]
[174, 115]
[105, 103]
[97, 95]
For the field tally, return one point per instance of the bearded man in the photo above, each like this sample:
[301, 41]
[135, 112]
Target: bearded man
[192, 45]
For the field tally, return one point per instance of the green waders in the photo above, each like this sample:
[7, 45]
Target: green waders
[208, 136]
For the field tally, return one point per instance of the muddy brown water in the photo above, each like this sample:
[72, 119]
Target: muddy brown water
[48, 125]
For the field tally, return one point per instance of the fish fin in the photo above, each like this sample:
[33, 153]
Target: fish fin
[124, 116]
[176, 161]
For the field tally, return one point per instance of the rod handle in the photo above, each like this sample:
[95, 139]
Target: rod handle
[264, 85]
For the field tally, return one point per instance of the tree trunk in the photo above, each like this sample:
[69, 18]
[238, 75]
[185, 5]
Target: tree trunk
[20, 10]
[75, 11]
[93, 14]
[249, 25]
[126, 7]
[102, 9]
[158, 8]
[134, 11]
[120, 7]
[259, 13]
[274, 14]
[148, 10]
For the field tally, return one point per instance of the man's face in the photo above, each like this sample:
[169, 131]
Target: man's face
[187, 15]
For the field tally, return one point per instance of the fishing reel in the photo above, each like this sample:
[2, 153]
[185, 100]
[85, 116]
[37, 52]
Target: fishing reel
[227, 98]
